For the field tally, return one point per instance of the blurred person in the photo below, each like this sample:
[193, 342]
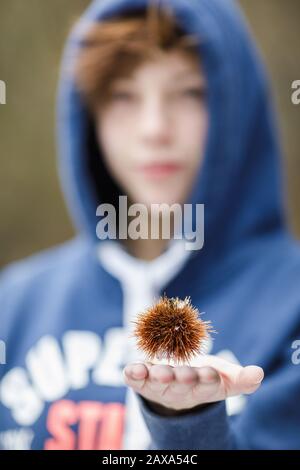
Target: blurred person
[163, 103]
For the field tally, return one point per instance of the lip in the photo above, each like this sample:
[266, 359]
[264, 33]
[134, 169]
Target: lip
[160, 169]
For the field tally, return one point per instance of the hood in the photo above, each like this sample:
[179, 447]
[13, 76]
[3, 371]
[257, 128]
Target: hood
[240, 178]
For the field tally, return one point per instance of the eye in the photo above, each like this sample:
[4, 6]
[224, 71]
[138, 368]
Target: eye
[195, 92]
[122, 96]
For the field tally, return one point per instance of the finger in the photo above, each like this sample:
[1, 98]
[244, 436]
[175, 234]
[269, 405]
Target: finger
[209, 387]
[160, 377]
[185, 378]
[208, 375]
[250, 378]
[135, 375]
[235, 381]
[186, 374]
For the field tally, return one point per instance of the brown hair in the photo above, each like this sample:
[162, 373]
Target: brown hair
[115, 47]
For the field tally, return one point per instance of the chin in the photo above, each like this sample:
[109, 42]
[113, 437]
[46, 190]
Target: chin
[159, 199]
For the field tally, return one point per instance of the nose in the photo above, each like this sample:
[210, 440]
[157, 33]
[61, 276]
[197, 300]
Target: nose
[155, 122]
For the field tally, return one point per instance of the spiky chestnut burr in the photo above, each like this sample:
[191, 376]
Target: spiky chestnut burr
[171, 329]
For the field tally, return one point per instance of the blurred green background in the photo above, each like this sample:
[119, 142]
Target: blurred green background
[32, 35]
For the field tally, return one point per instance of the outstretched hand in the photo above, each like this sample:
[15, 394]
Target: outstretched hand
[184, 387]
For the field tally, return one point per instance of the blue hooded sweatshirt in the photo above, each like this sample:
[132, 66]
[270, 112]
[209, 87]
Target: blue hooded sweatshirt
[62, 310]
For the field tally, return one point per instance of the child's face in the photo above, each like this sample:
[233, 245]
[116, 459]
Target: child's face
[152, 129]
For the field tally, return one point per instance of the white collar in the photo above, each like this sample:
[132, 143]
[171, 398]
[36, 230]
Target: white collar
[125, 267]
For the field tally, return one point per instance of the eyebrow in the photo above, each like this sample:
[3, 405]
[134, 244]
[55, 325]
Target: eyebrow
[180, 76]
[188, 74]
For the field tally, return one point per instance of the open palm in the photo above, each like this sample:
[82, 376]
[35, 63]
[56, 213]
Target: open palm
[184, 387]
